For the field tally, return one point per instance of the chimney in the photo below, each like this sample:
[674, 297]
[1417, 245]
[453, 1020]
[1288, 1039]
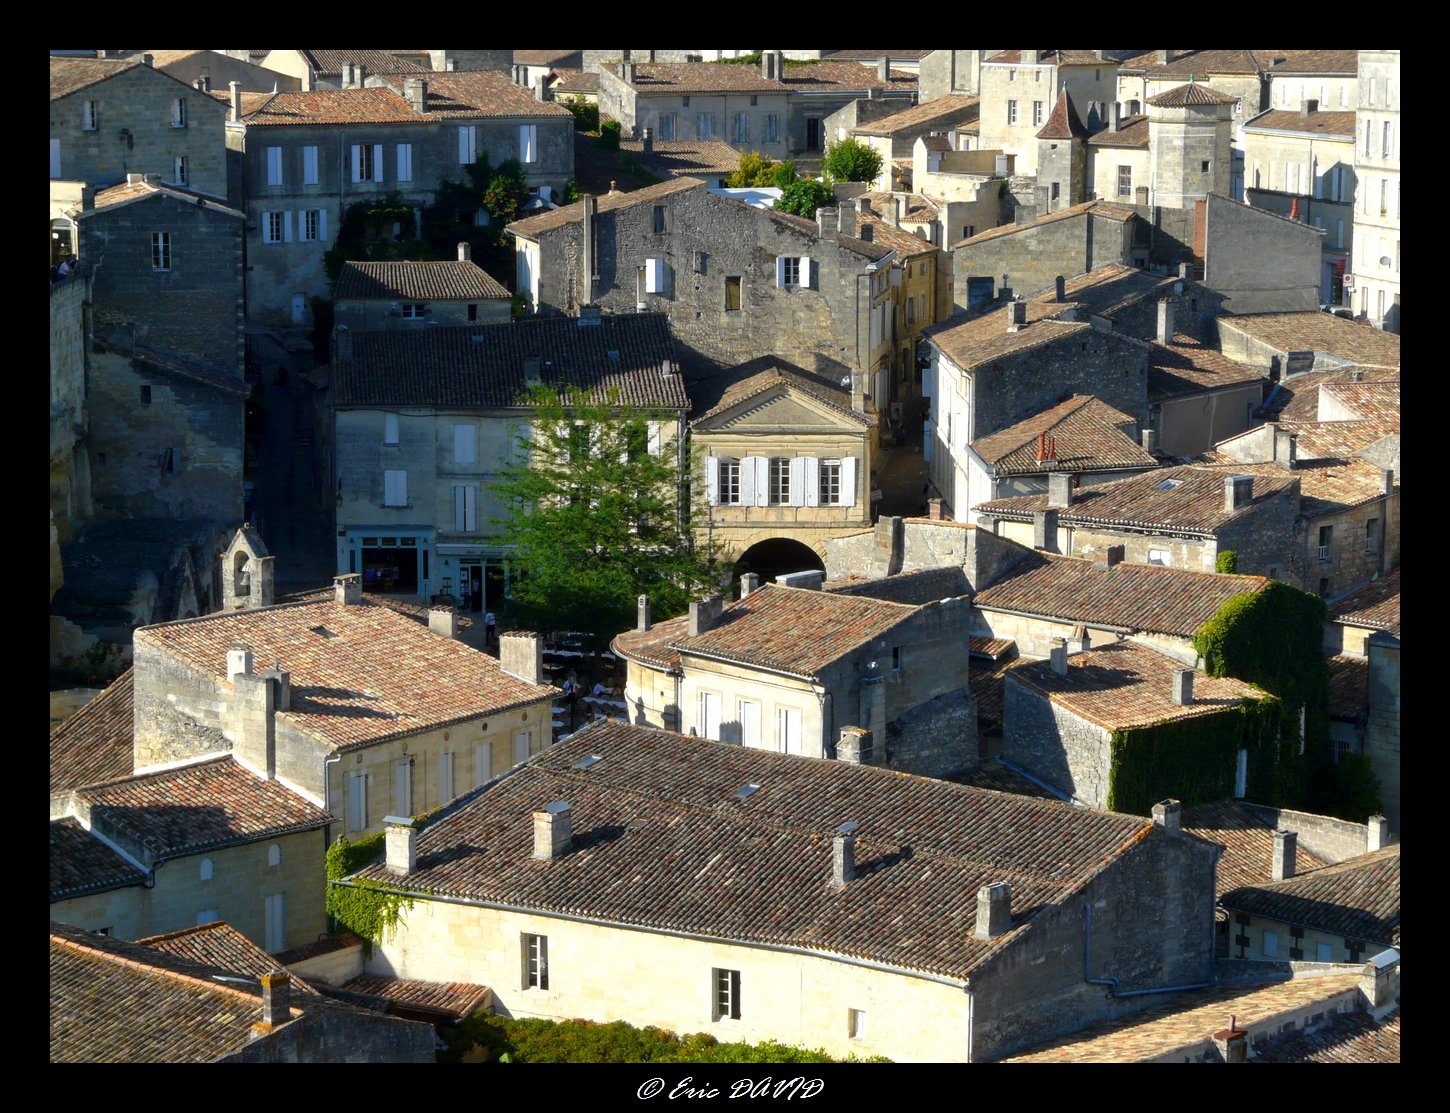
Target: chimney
[588, 266]
[276, 998]
[346, 76]
[894, 211]
[1377, 982]
[1059, 490]
[1238, 491]
[402, 845]
[828, 222]
[846, 219]
[994, 910]
[647, 141]
[148, 60]
[1117, 116]
[854, 746]
[858, 392]
[704, 613]
[282, 694]
[808, 580]
[521, 655]
[934, 509]
[1017, 318]
[239, 661]
[253, 724]
[1309, 108]
[1168, 814]
[749, 582]
[1150, 440]
[863, 205]
[450, 65]
[626, 72]
[1182, 692]
[1110, 556]
[347, 589]
[1232, 1042]
[888, 549]
[1044, 530]
[415, 90]
[1377, 833]
[1163, 56]
[843, 855]
[1286, 448]
[770, 65]
[641, 619]
[133, 178]
[541, 89]
[1031, 57]
[1061, 286]
[553, 831]
[1165, 322]
[361, 71]
[1387, 481]
[1281, 867]
[443, 621]
[1081, 641]
[883, 70]
[1057, 659]
[1185, 270]
[465, 252]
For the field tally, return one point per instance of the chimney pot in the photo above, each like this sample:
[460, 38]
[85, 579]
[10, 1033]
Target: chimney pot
[1378, 983]
[642, 622]
[541, 88]
[1182, 687]
[347, 589]
[1238, 491]
[362, 75]
[276, 998]
[1232, 1042]
[148, 60]
[1061, 287]
[854, 746]
[1150, 440]
[415, 90]
[521, 655]
[1168, 814]
[1018, 317]
[401, 846]
[239, 660]
[465, 252]
[1377, 833]
[883, 70]
[934, 509]
[843, 855]
[553, 831]
[1057, 659]
[828, 223]
[1285, 845]
[749, 583]
[994, 910]
[1165, 321]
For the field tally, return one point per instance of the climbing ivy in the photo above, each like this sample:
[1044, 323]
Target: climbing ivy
[1227, 562]
[364, 907]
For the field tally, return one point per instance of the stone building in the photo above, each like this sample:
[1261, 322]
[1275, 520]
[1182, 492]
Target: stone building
[879, 921]
[211, 71]
[1377, 183]
[110, 119]
[1189, 133]
[795, 669]
[362, 712]
[710, 160]
[423, 421]
[894, 136]
[412, 295]
[1284, 344]
[1119, 162]
[1019, 89]
[336, 69]
[309, 156]
[732, 279]
[1196, 396]
[1355, 617]
[1063, 718]
[942, 73]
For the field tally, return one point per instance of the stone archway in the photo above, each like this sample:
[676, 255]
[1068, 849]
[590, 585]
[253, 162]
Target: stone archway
[777, 556]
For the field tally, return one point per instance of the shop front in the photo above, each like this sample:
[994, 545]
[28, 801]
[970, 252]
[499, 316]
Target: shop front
[398, 562]
[475, 575]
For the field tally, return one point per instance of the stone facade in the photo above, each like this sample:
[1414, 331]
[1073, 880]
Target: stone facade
[1260, 262]
[1189, 147]
[766, 112]
[70, 483]
[1377, 202]
[1066, 751]
[1363, 541]
[1017, 98]
[136, 132]
[1382, 732]
[943, 72]
[1334, 840]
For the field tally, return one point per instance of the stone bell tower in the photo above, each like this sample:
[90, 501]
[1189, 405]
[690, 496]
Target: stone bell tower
[248, 575]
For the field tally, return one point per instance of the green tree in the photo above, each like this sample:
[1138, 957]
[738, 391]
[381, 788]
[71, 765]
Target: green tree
[850, 160]
[595, 518]
[804, 197]
[783, 174]
[755, 170]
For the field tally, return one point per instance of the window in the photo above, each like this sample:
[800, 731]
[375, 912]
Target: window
[1372, 535]
[1037, 113]
[405, 162]
[274, 227]
[1368, 130]
[274, 166]
[1125, 181]
[482, 763]
[732, 293]
[727, 994]
[684, 102]
[445, 778]
[390, 428]
[749, 714]
[705, 125]
[667, 125]
[90, 116]
[206, 869]
[467, 144]
[709, 721]
[754, 101]
[1159, 556]
[528, 143]
[160, 251]
[896, 658]
[830, 482]
[395, 488]
[1011, 113]
[309, 166]
[1326, 541]
[55, 158]
[180, 172]
[1056, 190]
[1385, 140]
[312, 224]
[1203, 166]
[740, 128]
[1384, 196]
[1011, 75]
[357, 801]
[414, 311]
[275, 910]
[792, 271]
[1324, 587]
[465, 443]
[772, 127]
[1271, 944]
[178, 112]
[729, 483]
[1323, 952]
[274, 854]
[787, 730]
[855, 1023]
[779, 481]
[535, 958]
[367, 162]
[465, 508]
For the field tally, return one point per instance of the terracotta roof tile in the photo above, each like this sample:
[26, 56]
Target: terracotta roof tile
[895, 55]
[997, 777]
[831, 76]
[70, 75]
[1247, 841]
[576, 81]
[1337, 440]
[329, 63]
[1344, 62]
[1132, 132]
[817, 387]
[136, 191]
[455, 999]
[451, 97]
[360, 673]
[1055, 58]
[80, 863]
[1197, 63]
[1088, 433]
[221, 946]
[915, 589]
[483, 367]
[1109, 209]
[678, 158]
[1376, 604]
[1355, 341]
[953, 108]
[1190, 94]
[652, 646]
[1371, 400]
[533, 226]
[1348, 688]
[1146, 597]
[701, 77]
[988, 681]
[1188, 366]
[1358, 898]
[1341, 1038]
[94, 744]
[661, 840]
[905, 244]
[1313, 123]
[975, 341]
[1064, 122]
[429, 281]
[551, 58]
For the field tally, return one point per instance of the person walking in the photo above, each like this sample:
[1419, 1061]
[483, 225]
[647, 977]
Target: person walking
[490, 630]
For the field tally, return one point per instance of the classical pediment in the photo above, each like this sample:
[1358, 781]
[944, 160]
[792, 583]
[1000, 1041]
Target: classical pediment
[782, 408]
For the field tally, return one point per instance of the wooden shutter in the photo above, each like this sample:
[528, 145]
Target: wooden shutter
[274, 166]
[357, 801]
[780, 271]
[309, 165]
[395, 488]
[762, 481]
[712, 481]
[465, 443]
[656, 439]
[482, 763]
[287, 227]
[848, 481]
[523, 742]
[749, 723]
[405, 162]
[807, 278]
[445, 778]
[322, 225]
[402, 788]
[356, 163]
[798, 481]
[747, 481]
[377, 162]
[812, 480]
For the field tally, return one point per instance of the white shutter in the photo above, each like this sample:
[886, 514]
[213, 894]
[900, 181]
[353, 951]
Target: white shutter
[482, 763]
[402, 788]
[470, 507]
[377, 162]
[653, 274]
[356, 163]
[459, 509]
[807, 278]
[55, 158]
[798, 481]
[780, 271]
[528, 143]
[445, 778]
[322, 225]
[749, 723]
[465, 444]
[357, 802]
[848, 481]
[274, 166]
[395, 488]
[405, 162]
[390, 428]
[309, 165]
[747, 481]
[712, 481]
[656, 439]
[523, 743]
[813, 481]
[762, 481]
[287, 227]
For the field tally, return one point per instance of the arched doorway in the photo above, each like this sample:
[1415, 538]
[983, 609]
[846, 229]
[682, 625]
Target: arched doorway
[777, 557]
[62, 240]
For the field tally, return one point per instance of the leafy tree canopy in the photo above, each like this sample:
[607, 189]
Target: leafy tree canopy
[756, 169]
[850, 160]
[804, 197]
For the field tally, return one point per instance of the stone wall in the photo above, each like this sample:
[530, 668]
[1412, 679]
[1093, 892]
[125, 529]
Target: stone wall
[1054, 745]
[1351, 562]
[1382, 733]
[70, 490]
[1087, 361]
[1332, 839]
[1195, 424]
[336, 967]
[1260, 262]
[171, 701]
[331, 1035]
[1033, 257]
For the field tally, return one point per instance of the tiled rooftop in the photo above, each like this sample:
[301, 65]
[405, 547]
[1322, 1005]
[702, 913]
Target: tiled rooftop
[1348, 688]
[360, 673]
[1313, 123]
[1358, 898]
[1247, 841]
[952, 107]
[1190, 94]
[1088, 433]
[221, 946]
[136, 191]
[454, 999]
[533, 226]
[975, 341]
[1320, 332]
[70, 75]
[94, 744]
[483, 367]
[550, 58]
[80, 863]
[1109, 209]
[1342, 1038]
[1340, 62]
[661, 840]
[451, 97]
[915, 589]
[677, 158]
[1132, 132]
[832, 76]
[1064, 122]
[1054, 58]
[652, 646]
[1196, 63]
[197, 807]
[896, 55]
[576, 81]
[821, 389]
[1186, 1020]
[1184, 500]
[1124, 686]
[329, 63]
[1373, 398]
[794, 630]
[1145, 597]
[431, 281]
[1188, 366]
[904, 243]
[1376, 605]
[700, 77]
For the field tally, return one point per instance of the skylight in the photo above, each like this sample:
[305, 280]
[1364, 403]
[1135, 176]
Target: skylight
[748, 790]
[1168, 484]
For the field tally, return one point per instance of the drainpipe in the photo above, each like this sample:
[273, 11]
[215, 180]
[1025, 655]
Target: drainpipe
[327, 793]
[1110, 981]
